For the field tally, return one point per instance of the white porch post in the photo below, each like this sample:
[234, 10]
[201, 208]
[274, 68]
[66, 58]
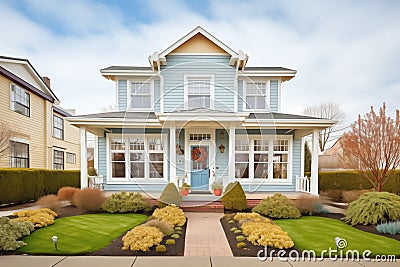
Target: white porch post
[231, 171]
[172, 155]
[84, 173]
[96, 153]
[314, 163]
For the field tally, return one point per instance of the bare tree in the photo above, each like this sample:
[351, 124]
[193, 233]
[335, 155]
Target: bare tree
[329, 111]
[373, 146]
[5, 134]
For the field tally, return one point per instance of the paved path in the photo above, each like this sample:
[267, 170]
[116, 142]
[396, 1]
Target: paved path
[205, 236]
[99, 261]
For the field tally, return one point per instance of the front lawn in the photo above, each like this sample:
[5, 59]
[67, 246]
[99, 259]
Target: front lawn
[318, 233]
[82, 234]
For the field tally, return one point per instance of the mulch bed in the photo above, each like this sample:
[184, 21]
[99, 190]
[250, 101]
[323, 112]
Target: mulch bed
[251, 250]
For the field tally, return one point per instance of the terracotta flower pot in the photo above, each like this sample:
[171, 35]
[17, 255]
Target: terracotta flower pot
[218, 192]
[184, 191]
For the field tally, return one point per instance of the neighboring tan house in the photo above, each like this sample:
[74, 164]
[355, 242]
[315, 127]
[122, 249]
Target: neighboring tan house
[331, 159]
[197, 113]
[40, 137]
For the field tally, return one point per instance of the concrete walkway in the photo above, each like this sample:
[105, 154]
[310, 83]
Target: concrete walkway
[99, 261]
[205, 236]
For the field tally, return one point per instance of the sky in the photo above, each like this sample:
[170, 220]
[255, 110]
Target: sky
[345, 52]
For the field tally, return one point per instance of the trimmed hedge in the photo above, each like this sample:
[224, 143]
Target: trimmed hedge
[23, 185]
[353, 180]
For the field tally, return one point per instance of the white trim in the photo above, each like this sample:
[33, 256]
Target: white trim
[314, 163]
[302, 155]
[117, 107]
[187, 77]
[232, 140]
[172, 155]
[96, 152]
[129, 98]
[19, 140]
[197, 54]
[84, 172]
[279, 95]
[267, 95]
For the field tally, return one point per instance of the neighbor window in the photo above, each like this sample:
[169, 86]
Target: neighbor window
[20, 100]
[198, 93]
[71, 158]
[140, 95]
[19, 155]
[58, 160]
[256, 95]
[242, 158]
[58, 127]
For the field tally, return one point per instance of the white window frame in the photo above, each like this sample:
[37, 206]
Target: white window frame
[127, 178]
[71, 155]
[188, 77]
[270, 179]
[129, 95]
[62, 130]
[13, 88]
[22, 141]
[266, 96]
[63, 153]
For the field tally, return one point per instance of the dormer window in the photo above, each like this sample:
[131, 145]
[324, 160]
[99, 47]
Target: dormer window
[255, 96]
[199, 92]
[140, 95]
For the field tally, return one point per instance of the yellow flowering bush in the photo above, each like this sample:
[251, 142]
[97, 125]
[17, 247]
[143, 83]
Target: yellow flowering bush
[142, 238]
[252, 216]
[170, 214]
[39, 218]
[266, 234]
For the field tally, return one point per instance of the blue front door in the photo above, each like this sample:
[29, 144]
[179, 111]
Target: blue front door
[200, 172]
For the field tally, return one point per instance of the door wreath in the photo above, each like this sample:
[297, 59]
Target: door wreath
[199, 154]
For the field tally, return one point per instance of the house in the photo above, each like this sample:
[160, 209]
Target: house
[331, 159]
[40, 137]
[198, 114]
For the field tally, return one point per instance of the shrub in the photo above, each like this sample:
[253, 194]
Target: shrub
[392, 228]
[170, 242]
[50, 201]
[238, 231]
[39, 218]
[170, 196]
[170, 214]
[277, 206]
[335, 194]
[352, 195]
[241, 245]
[178, 228]
[176, 236]
[161, 248]
[233, 229]
[23, 185]
[124, 202]
[373, 208]
[67, 193]
[267, 234]
[92, 171]
[231, 221]
[11, 231]
[240, 238]
[163, 226]
[234, 197]
[253, 216]
[89, 199]
[308, 204]
[142, 238]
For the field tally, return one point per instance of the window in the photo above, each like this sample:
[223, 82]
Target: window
[261, 158]
[242, 158]
[137, 157]
[198, 93]
[20, 100]
[156, 158]
[58, 127]
[199, 137]
[256, 95]
[140, 95]
[19, 155]
[281, 155]
[58, 160]
[71, 158]
[118, 158]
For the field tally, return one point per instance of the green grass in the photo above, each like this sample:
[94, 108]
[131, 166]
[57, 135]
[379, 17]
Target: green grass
[80, 234]
[317, 233]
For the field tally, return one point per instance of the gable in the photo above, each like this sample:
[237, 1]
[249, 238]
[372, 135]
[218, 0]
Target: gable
[21, 71]
[199, 44]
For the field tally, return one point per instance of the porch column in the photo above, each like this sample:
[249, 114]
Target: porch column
[314, 163]
[231, 171]
[172, 155]
[84, 172]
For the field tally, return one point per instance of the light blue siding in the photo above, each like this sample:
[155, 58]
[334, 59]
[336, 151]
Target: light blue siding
[240, 95]
[122, 95]
[221, 159]
[156, 96]
[179, 66]
[102, 154]
[274, 96]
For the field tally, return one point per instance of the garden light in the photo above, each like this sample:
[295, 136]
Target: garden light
[55, 240]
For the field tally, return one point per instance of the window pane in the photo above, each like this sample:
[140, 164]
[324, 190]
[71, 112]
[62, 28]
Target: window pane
[155, 144]
[118, 156]
[19, 155]
[118, 169]
[156, 170]
[281, 145]
[140, 88]
[137, 170]
[156, 156]
[139, 101]
[260, 104]
[260, 170]
[280, 170]
[117, 144]
[137, 156]
[241, 157]
[196, 101]
[136, 144]
[280, 157]
[241, 170]
[261, 145]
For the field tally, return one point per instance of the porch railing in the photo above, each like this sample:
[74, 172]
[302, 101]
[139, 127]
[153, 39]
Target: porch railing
[303, 184]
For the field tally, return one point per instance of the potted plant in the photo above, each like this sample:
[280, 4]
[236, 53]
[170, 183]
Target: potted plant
[217, 188]
[185, 189]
